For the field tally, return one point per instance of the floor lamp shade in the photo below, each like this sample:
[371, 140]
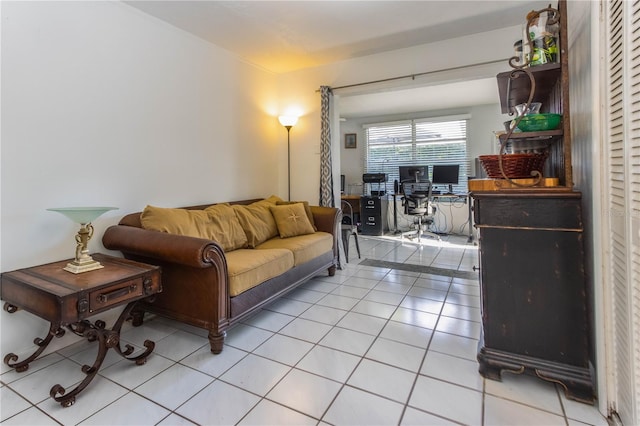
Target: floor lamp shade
[288, 120]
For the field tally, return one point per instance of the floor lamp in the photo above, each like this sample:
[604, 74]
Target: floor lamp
[288, 121]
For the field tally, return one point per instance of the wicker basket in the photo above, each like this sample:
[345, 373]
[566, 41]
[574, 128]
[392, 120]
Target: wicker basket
[515, 165]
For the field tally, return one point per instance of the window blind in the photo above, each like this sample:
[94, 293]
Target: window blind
[424, 142]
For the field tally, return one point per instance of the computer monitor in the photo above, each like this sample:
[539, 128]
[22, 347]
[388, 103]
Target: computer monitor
[446, 174]
[408, 173]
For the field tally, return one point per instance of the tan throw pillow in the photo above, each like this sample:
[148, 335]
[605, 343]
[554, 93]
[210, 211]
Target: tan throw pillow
[257, 221]
[192, 223]
[196, 223]
[307, 210]
[291, 220]
[274, 199]
[226, 227]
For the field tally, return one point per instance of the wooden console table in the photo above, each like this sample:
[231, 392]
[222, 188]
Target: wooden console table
[66, 300]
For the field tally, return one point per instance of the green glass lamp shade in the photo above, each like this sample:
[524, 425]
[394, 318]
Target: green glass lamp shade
[83, 215]
[83, 262]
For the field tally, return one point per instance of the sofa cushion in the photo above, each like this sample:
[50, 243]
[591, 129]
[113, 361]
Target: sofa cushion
[219, 224]
[304, 247]
[247, 267]
[291, 220]
[307, 210]
[226, 227]
[257, 221]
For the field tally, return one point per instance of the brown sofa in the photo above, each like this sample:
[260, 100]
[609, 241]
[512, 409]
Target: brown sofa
[212, 285]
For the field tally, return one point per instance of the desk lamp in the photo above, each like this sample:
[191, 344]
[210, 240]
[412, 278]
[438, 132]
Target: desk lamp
[83, 262]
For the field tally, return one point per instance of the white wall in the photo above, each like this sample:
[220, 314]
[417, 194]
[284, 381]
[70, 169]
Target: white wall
[103, 105]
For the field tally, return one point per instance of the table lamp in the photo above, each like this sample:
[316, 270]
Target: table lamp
[83, 262]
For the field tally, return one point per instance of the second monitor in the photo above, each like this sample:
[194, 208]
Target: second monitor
[446, 174]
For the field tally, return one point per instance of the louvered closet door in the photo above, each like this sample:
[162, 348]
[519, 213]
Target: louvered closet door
[623, 148]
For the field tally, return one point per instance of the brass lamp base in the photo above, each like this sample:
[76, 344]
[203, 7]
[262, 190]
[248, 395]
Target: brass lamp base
[83, 265]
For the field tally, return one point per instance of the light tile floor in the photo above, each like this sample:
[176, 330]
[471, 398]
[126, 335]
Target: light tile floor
[369, 346]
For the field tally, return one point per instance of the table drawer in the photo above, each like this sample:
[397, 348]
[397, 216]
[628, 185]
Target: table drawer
[126, 291]
[114, 295]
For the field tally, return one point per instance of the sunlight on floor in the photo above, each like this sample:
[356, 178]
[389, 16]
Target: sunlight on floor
[445, 242]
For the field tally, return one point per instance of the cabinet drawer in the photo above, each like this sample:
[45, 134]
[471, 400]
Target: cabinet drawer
[371, 206]
[536, 212]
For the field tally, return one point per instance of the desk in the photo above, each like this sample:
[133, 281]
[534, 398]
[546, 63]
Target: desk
[66, 300]
[354, 202]
[438, 198]
[457, 197]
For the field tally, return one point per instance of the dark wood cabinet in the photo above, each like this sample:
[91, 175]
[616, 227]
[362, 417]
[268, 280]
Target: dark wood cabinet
[535, 310]
[534, 303]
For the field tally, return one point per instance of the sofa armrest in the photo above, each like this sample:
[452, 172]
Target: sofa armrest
[327, 219]
[179, 249]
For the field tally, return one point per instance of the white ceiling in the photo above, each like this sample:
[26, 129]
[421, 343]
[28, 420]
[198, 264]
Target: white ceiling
[283, 36]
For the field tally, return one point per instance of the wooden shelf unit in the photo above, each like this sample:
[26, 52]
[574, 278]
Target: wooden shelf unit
[534, 297]
[552, 90]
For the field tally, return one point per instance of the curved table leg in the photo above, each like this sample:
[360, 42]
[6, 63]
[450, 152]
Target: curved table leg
[54, 331]
[140, 359]
[106, 339]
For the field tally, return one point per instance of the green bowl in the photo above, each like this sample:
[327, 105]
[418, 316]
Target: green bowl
[539, 122]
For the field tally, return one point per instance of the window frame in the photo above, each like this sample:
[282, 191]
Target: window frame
[410, 149]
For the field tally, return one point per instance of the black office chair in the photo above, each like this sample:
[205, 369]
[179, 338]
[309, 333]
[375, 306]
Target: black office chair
[348, 227]
[416, 198]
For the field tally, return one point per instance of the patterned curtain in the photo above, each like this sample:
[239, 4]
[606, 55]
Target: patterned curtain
[326, 172]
